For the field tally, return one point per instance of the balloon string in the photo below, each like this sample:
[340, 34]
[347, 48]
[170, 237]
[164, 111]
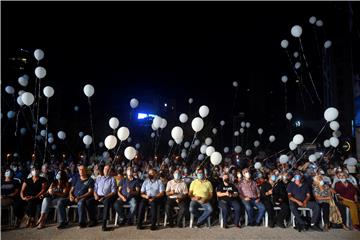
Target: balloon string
[46, 127]
[170, 151]
[190, 147]
[91, 124]
[322, 129]
[301, 96]
[285, 97]
[307, 66]
[117, 151]
[274, 154]
[291, 64]
[37, 114]
[17, 122]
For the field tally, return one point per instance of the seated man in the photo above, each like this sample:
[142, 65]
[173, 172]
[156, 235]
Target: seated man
[177, 192]
[128, 192]
[152, 190]
[81, 193]
[299, 196]
[200, 193]
[228, 197]
[250, 196]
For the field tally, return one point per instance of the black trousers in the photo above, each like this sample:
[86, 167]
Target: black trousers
[108, 203]
[169, 208]
[144, 203]
[282, 215]
[326, 211]
[32, 206]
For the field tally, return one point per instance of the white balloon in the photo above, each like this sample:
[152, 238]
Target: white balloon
[209, 150]
[197, 124]
[235, 84]
[242, 130]
[312, 158]
[289, 116]
[123, 133]
[152, 135]
[297, 65]
[336, 134]
[238, 149]
[113, 123]
[61, 135]
[23, 131]
[43, 133]
[272, 138]
[81, 134]
[312, 20]
[163, 123]
[201, 157]
[137, 146]
[283, 159]
[53, 147]
[296, 31]
[171, 143]
[191, 100]
[298, 139]
[39, 54]
[43, 120]
[226, 149]
[334, 125]
[260, 131]
[134, 103]
[296, 54]
[256, 143]
[129, 139]
[40, 72]
[50, 140]
[327, 143]
[177, 133]
[204, 111]
[334, 142]
[186, 144]
[327, 44]
[89, 90]
[331, 114]
[284, 43]
[257, 165]
[23, 80]
[215, 158]
[242, 124]
[130, 153]
[48, 91]
[292, 146]
[248, 152]
[319, 23]
[248, 125]
[76, 108]
[87, 139]
[27, 98]
[110, 142]
[183, 118]
[214, 131]
[10, 114]
[208, 141]
[153, 127]
[157, 122]
[351, 161]
[19, 101]
[236, 133]
[317, 155]
[197, 142]
[178, 140]
[284, 79]
[203, 149]
[101, 144]
[183, 155]
[222, 122]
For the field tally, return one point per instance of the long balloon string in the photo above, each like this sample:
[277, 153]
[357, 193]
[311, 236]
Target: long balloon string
[190, 147]
[37, 115]
[47, 126]
[322, 129]
[91, 124]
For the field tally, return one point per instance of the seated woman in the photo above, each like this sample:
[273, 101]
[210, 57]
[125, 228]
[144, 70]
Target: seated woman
[31, 192]
[58, 190]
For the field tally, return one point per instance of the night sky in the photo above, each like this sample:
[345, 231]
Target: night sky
[172, 51]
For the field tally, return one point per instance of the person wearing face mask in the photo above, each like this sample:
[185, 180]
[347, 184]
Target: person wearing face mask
[58, 190]
[32, 192]
[299, 196]
[347, 197]
[227, 194]
[187, 179]
[176, 192]
[152, 191]
[10, 189]
[200, 192]
[250, 196]
[128, 193]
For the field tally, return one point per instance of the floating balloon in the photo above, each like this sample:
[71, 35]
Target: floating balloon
[163, 123]
[178, 140]
[114, 123]
[334, 142]
[289, 116]
[247, 125]
[257, 165]
[191, 100]
[222, 122]
[177, 133]
[204, 111]
[201, 157]
[214, 131]
[81, 134]
[152, 135]
[197, 124]
[215, 158]
[248, 152]
[134, 103]
[10, 114]
[317, 155]
[76, 108]
[284, 43]
[235, 84]
[226, 149]
[236, 133]
[110, 142]
[331, 114]
[260, 131]
[186, 144]
[43, 133]
[272, 138]
[208, 141]
[130, 153]
[256, 143]
[50, 140]
[336, 134]
[40, 72]
[48, 91]
[22, 131]
[296, 31]
[298, 139]
[27, 98]
[197, 142]
[39, 54]
[183, 118]
[327, 143]
[283, 159]
[50, 135]
[101, 144]
[123, 133]
[284, 79]
[87, 139]
[209, 150]
[292, 146]
[296, 54]
[183, 155]
[171, 143]
[312, 20]
[106, 154]
[351, 161]
[53, 147]
[129, 140]
[203, 149]
[21, 92]
[327, 44]
[89, 90]
[43, 120]
[312, 158]
[334, 125]
[238, 149]
[23, 80]
[297, 65]
[242, 130]
[61, 135]
[242, 124]
[9, 90]
[157, 122]
[19, 101]
[319, 23]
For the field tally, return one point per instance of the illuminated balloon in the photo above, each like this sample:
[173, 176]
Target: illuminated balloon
[260, 131]
[177, 133]
[88, 90]
[76, 108]
[39, 54]
[157, 122]
[22, 131]
[178, 140]
[43, 120]
[242, 130]
[236, 133]
[336, 134]
[134, 103]
[214, 131]
[87, 139]
[209, 150]
[171, 143]
[247, 125]
[186, 144]
[201, 157]
[50, 140]
[296, 31]
[331, 114]
[272, 138]
[183, 118]
[110, 142]
[283, 159]
[197, 142]
[284, 43]
[10, 114]
[19, 101]
[248, 152]
[123, 133]
[238, 149]
[197, 124]
[289, 116]
[204, 111]
[208, 141]
[235, 84]
[334, 142]
[61, 135]
[191, 100]
[183, 155]
[27, 98]
[292, 146]
[296, 54]
[242, 124]
[312, 20]
[256, 143]
[9, 90]
[319, 23]
[215, 158]
[222, 122]
[101, 144]
[257, 165]
[130, 153]
[284, 79]
[23, 80]
[152, 135]
[203, 149]
[298, 139]
[334, 125]
[40, 72]
[81, 134]
[48, 91]
[297, 65]
[327, 143]
[312, 158]
[43, 133]
[113, 123]
[327, 44]
[226, 149]
[163, 123]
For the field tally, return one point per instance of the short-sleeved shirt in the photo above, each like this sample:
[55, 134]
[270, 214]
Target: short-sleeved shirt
[34, 188]
[201, 188]
[152, 188]
[346, 192]
[179, 188]
[126, 183]
[223, 189]
[298, 192]
[8, 188]
[248, 188]
[82, 186]
[322, 193]
[105, 185]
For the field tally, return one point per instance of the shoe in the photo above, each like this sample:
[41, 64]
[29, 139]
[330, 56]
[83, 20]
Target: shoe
[251, 224]
[300, 228]
[281, 225]
[356, 227]
[92, 224]
[82, 225]
[326, 228]
[62, 225]
[106, 229]
[153, 228]
[271, 225]
[226, 226]
[40, 226]
[140, 227]
[258, 224]
[316, 228]
[238, 225]
[345, 227]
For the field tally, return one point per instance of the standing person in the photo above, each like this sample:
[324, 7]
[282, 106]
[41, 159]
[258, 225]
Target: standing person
[177, 192]
[152, 190]
[227, 195]
[128, 193]
[200, 192]
[250, 197]
[32, 192]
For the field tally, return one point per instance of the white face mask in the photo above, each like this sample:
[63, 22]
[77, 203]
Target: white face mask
[34, 173]
[239, 176]
[321, 183]
[342, 180]
[7, 174]
[58, 176]
[128, 172]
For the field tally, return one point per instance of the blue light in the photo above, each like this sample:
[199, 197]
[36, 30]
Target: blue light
[145, 115]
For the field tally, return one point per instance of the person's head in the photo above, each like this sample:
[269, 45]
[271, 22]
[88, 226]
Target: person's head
[44, 168]
[152, 173]
[238, 174]
[226, 178]
[106, 170]
[61, 176]
[8, 174]
[298, 178]
[246, 173]
[82, 170]
[185, 171]
[272, 177]
[129, 172]
[342, 176]
[318, 180]
[200, 174]
[35, 171]
[177, 175]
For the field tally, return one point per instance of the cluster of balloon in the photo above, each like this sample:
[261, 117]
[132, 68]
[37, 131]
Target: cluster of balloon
[89, 92]
[283, 159]
[158, 123]
[330, 115]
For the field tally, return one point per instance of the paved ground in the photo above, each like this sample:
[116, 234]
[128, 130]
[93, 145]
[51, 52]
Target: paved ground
[214, 232]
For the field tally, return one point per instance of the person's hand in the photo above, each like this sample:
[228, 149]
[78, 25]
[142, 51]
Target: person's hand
[128, 189]
[72, 199]
[101, 199]
[304, 203]
[123, 198]
[51, 191]
[151, 200]
[299, 203]
[228, 194]
[28, 198]
[257, 200]
[76, 199]
[270, 192]
[247, 199]
[97, 197]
